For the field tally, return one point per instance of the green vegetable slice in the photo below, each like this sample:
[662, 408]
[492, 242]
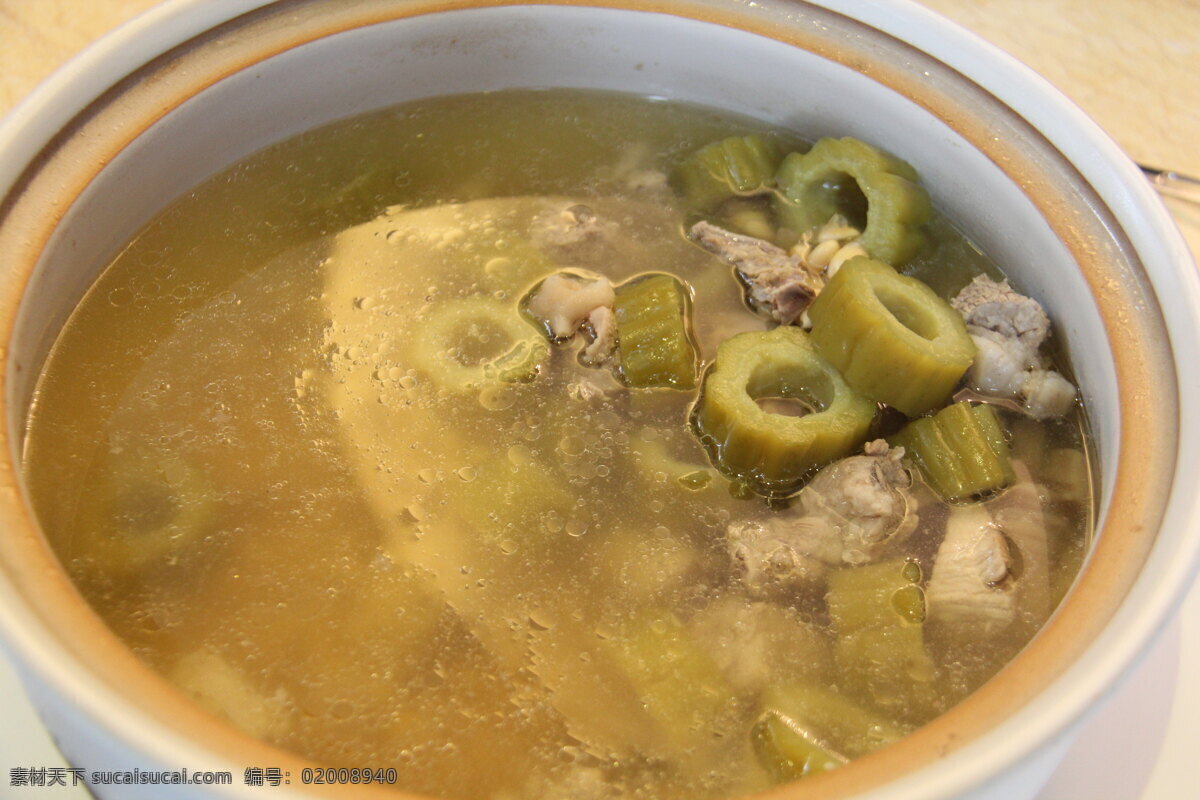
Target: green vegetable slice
[773, 453]
[472, 342]
[653, 453]
[878, 611]
[961, 450]
[811, 186]
[788, 750]
[739, 165]
[518, 365]
[679, 686]
[155, 506]
[892, 338]
[654, 338]
[805, 728]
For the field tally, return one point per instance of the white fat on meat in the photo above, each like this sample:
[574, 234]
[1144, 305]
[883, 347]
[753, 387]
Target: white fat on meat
[992, 569]
[852, 512]
[600, 327]
[1009, 329]
[565, 300]
[1045, 393]
[969, 590]
[1001, 365]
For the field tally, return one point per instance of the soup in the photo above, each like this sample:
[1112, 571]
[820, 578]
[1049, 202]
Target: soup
[467, 439]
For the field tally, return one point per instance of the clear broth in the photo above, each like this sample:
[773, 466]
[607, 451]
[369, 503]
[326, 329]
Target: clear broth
[361, 564]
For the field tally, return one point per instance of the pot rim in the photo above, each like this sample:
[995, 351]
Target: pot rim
[1104, 166]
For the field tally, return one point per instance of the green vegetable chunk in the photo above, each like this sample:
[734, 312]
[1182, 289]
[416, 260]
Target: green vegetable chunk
[654, 339]
[805, 729]
[789, 751]
[773, 453]
[892, 338]
[679, 686]
[961, 450]
[472, 342]
[518, 365]
[737, 166]
[653, 452]
[878, 613]
[811, 186]
[154, 505]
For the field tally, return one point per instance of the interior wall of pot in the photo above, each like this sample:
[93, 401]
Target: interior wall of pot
[366, 68]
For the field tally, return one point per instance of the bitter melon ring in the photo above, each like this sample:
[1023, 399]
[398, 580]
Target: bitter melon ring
[893, 339]
[453, 323]
[896, 205]
[774, 453]
[737, 166]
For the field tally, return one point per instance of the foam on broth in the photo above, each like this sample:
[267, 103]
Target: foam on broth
[242, 456]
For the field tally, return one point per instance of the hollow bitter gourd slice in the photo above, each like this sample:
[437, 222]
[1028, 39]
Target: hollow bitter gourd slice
[736, 166]
[773, 453]
[680, 687]
[154, 505]
[897, 206]
[474, 320]
[893, 339]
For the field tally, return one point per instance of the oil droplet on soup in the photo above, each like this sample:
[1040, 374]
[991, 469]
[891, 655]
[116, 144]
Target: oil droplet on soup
[303, 452]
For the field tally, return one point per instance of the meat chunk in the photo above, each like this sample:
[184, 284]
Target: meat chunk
[851, 512]
[226, 691]
[969, 590]
[596, 386]
[778, 284]
[866, 499]
[570, 234]
[580, 780]
[638, 171]
[992, 568]
[995, 306]
[1001, 364]
[1046, 394]
[757, 644]
[782, 555]
[1008, 330]
[781, 284]
[601, 330]
[565, 300]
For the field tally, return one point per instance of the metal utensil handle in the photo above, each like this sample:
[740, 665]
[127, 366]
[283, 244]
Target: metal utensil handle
[1173, 184]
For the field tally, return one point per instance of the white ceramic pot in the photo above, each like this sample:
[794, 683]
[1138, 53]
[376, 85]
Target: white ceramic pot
[184, 91]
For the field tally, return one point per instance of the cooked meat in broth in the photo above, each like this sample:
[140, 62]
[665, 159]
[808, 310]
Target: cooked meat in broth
[611, 448]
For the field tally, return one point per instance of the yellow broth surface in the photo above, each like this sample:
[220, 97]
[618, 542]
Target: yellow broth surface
[255, 451]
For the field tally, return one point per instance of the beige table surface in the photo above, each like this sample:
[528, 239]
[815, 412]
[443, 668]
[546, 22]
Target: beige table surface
[1134, 67]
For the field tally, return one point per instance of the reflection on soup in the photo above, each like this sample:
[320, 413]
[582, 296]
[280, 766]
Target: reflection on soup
[561, 444]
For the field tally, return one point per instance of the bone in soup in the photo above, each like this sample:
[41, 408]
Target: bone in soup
[613, 447]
